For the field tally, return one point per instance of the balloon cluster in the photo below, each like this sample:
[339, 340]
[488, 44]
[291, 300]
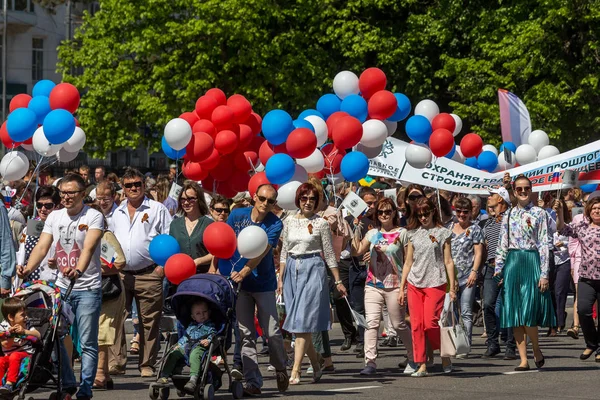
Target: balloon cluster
[42, 122]
[218, 142]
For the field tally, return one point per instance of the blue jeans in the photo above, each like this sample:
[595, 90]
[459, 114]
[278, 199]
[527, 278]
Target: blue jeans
[467, 297]
[86, 307]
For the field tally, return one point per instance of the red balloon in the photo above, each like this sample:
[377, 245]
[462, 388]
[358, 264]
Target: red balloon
[241, 107]
[179, 267]
[333, 158]
[205, 107]
[471, 145]
[301, 143]
[224, 169]
[200, 147]
[219, 239]
[218, 95]
[225, 189]
[28, 141]
[194, 171]
[441, 142]
[319, 175]
[76, 122]
[226, 142]
[190, 117]
[266, 151]
[204, 125]
[443, 121]
[64, 95]
[211, 161]
[333, 119]
[222, 117]
[255, 144]
[382, 105]
[6, 139]
[239, 181]
[245, 136]
[257, 180]
[19, 101]
[347, 132]
[371, 81]
[245, 161]
[254, 121]
[209, 184]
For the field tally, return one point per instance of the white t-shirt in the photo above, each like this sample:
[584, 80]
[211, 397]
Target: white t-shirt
[69, 234]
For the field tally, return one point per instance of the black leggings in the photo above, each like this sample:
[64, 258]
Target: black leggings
[588, 293]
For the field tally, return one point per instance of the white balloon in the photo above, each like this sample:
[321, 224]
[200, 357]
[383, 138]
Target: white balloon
[547, 152]
[66, 156]
[75, 142]
[417, 155]
[391, 127]
[374, 134]
[458, 156]
[503, 165]
[260, 168]
[457, 123]
[525, 154]
[370, 152]
[252, 241]
[14, 166]
[28, 147]
[300, 175]
[345, 83]
[313, 163]
[428, 109]
[320, 128]
[490, 147]
[178, 133]
[286, 195]
[42, 146]
[538, 139]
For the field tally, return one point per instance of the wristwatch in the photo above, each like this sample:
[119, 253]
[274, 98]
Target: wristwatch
[338, 282]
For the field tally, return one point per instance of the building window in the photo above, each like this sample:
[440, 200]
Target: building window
[20, 5]
[37, 59]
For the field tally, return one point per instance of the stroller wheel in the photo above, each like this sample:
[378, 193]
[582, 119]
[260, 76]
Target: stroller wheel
[163, 393]
[153, 392]
[237, 389]
[209, 392]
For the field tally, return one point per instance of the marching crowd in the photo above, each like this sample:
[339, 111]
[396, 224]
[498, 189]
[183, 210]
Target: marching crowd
[406, 260]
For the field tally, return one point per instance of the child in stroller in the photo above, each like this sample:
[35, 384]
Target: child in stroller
[191, 346]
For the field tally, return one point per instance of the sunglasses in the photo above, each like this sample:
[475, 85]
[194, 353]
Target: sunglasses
[270, 202]
[523, 189]
[384, 212]
[308, 198]
[424, 215]
[129, 185]
[47, 206]
[414, 197]
[70, 194]
[221, 210]
[463, 212]
[189, 199]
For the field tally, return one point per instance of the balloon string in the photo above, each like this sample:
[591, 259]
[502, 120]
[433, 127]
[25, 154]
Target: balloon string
[437, 190]
[234, 264]
[35, 173]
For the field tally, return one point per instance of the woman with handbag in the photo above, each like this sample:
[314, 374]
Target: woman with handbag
[386, 243]
[522, 264]
[428, 271]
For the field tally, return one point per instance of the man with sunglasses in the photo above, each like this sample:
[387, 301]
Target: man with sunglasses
[257, 292]
[135, 223]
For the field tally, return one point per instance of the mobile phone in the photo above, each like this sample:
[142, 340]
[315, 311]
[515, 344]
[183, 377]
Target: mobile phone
[497, 278]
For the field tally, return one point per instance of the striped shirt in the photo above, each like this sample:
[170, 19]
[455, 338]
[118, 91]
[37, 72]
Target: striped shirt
[491, 233]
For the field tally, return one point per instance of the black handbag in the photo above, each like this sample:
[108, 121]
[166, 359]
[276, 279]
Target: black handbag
[111, 287]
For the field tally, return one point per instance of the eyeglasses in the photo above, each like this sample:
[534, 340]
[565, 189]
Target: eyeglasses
[129, 185]
[523, 189]
[424, 215]
[104, 199]
[463, 212]
[70, 194]
[262, 199]
[221, 210]
[384, 212]
[47, 206]
[415, 197]
[189, 199]
[308, 198]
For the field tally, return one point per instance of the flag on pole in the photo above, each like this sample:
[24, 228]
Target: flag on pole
[514, 118]
[556, 176]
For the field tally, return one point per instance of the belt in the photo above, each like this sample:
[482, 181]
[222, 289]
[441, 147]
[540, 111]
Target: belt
[302, 256]
[141, 271]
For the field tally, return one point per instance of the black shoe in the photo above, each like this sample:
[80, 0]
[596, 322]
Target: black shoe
[491, 352]
[264, 351]
[237, 372]
[359, 347]
[361, 353]
[510, 355]
[540, 364]
[251, 391]
[584, 356]
[347, 344]
[385, 342]
[393, 342]
[520, 369]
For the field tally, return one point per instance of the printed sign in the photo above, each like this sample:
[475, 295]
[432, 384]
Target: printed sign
[107, 253]
[175, 191]
[569, 178]
[354, 205]
[35, 227]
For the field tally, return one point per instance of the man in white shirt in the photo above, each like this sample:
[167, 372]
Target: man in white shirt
[73, 234]
[135, 223]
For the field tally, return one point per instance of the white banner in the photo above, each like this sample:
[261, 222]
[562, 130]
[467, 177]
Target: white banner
[444, 173]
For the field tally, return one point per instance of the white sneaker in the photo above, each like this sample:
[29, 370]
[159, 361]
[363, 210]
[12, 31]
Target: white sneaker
[411, 368]
[462, 356]
[270, 368]
[309, 370]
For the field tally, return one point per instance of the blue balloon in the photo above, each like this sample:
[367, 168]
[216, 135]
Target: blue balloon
[487, 160]
[451, 154]
[328, 104]
[404, 108]
[276, 126]
[59, 126]
[472, 162]
[280, 168]
[509, 145]
[40, 105]
[162, 247]
[589, 188]
[418, 128]
[302, 123]
[168, 150]
[43, 88]
[356, 106]
[21, 124]
[355, 166]
[309, 112]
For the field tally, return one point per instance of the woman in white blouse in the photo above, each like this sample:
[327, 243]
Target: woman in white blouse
[303, 278]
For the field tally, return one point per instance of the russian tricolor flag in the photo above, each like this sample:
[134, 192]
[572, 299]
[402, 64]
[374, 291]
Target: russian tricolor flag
[514, 118]
[556, 176]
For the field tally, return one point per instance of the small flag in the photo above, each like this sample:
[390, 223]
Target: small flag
[556, 176]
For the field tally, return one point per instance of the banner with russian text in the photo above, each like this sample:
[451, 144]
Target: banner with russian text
[444, 173]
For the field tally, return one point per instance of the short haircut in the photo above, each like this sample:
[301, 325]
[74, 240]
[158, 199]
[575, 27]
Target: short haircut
[48, 191]
[305, 189]
[191, 185]
[463, 203]
[423, 205]
[101, 167]
[132, 173]
[102, 186]
[365, 190]
[73, 178]
[477, 199]
[218, 199]
[588, 207]
[386, 201]
[84, 168]
[522, 177]
[268, 185]
[11, 306]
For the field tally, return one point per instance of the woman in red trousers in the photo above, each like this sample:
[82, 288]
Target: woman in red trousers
[427, 272]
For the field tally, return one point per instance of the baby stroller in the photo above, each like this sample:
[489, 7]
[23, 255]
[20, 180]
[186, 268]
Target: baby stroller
[219, 294]
[47, 314]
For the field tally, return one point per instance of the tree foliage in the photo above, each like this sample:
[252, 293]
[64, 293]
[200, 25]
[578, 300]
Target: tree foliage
[144, 62]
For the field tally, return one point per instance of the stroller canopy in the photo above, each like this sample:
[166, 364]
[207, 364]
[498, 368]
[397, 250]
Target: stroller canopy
[215, 289]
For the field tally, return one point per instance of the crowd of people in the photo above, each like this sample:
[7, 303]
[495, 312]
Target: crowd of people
[403, 262]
